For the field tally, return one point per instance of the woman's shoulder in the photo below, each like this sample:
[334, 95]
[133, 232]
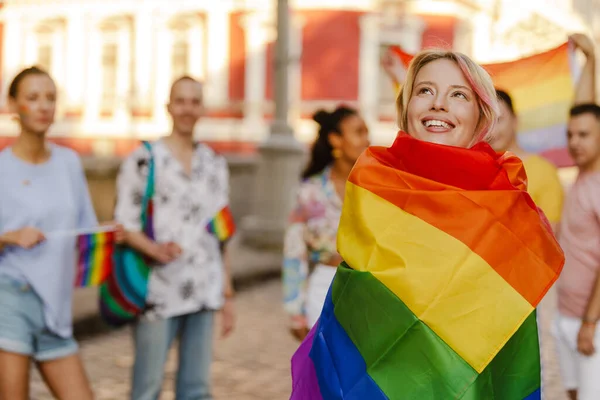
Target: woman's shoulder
[312, 187]
[65, 153]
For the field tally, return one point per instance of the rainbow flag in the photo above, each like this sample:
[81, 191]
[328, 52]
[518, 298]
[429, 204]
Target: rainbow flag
[95, 258]
[445, 263]
[222, 225]
[542, 89]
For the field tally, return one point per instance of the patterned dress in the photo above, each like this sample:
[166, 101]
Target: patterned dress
[310, 238]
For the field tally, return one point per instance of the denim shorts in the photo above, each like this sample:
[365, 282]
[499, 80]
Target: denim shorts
[22, 326]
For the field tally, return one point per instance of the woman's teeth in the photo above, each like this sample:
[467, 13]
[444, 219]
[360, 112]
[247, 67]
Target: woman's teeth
[437, 123]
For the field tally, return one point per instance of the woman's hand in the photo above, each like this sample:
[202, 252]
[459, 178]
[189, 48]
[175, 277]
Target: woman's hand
[227, 318]
[165, 253]
[584, 43]
[120, 233]
[335, 260]
[585, 339]
[299, 327]
[25, 238]
[393, 67]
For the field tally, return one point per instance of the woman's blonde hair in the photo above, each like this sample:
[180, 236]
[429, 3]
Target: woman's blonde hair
[478, 78]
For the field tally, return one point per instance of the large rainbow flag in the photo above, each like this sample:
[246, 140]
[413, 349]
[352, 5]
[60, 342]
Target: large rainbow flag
[542, 89]
[445, 263]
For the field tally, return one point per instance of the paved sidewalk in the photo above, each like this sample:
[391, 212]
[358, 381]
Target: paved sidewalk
[253, 364]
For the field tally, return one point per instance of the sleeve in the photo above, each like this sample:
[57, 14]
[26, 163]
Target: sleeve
[131, 184]
[295, 261]
[551, 195]
[223, 177]
[86, 215]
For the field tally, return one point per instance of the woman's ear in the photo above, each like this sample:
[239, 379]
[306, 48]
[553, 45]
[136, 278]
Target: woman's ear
[12, 105]
[335, 140]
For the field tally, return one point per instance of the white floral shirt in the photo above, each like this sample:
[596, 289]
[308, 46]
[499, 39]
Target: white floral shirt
[183, 205]
[311, 237]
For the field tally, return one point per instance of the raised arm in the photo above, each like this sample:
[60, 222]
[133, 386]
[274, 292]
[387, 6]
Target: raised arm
[585, 91]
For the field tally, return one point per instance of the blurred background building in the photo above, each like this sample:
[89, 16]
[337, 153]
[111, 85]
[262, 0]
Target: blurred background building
[114, 60]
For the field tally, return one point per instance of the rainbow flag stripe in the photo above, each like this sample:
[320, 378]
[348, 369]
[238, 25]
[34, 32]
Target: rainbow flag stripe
[222, 225]
[445, 263]
[95, 258]
[542, 89]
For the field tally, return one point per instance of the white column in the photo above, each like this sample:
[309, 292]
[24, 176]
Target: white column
[144, 46]
[368, 68]
[412, 33]
[12, 46]
[197, 50]
[30, 54]
[58, 65]
[93, 88]
[217, 80]
[463, 37]
[482, 37]
[295, 73]
[255, 77]
[162, 72]
[75, 65]
[124, 92]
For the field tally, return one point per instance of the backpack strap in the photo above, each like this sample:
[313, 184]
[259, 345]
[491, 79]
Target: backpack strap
[147, 203]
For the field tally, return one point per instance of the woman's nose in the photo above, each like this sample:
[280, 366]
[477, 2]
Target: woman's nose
[439, 103]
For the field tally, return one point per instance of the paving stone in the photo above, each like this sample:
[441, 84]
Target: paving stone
[253, 364]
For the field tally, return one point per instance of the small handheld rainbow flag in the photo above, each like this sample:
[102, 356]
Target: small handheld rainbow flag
[95, 257]
[222, 225]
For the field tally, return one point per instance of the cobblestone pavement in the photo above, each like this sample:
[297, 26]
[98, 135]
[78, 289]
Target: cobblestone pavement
[252, 364]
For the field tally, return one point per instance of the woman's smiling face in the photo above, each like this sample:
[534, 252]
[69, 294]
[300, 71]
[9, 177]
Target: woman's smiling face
[443, 107]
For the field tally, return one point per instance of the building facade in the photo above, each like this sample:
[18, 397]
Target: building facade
[114, 60]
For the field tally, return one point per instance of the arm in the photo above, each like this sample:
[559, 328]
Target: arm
[587, 332]
[131, 184]
[394, 69]
[25, 238]
[585, 92]
[86, 215]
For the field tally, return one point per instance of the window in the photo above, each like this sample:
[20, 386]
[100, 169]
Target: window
[180, 54]
[44, 58]
[179, 65]
[109, 76]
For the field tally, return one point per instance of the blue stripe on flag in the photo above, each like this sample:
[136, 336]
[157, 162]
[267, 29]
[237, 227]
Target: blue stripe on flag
[537, 395]
[340, 368]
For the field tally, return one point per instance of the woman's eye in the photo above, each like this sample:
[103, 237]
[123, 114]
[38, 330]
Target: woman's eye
[425, 91]
[461, 95]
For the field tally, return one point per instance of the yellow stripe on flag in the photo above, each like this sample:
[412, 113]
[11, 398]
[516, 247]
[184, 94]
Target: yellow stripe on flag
[544, 117]
[446, 285]
[555, 90]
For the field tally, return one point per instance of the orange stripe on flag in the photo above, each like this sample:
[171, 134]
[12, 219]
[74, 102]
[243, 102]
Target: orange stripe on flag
[491, 227]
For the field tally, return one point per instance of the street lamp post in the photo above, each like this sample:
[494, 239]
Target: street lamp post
[281, 156]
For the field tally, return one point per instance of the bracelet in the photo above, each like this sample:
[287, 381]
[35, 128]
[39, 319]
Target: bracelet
[588, 321]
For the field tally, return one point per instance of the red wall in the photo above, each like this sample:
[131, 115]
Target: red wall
[330, 55]
[237, 57]
[439, 31]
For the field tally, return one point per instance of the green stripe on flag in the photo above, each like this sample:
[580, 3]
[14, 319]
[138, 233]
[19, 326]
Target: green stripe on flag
[515, 371]
[403, 356]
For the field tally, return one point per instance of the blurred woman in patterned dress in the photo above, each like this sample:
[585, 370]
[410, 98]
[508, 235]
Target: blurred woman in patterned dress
[310, 255]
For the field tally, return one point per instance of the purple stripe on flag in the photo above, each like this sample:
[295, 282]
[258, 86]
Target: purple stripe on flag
[306, 385]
